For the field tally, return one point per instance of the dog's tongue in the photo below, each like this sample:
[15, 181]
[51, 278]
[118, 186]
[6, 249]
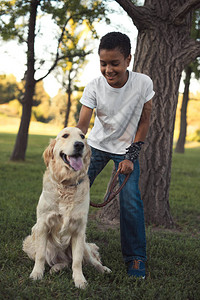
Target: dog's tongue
[76, 163]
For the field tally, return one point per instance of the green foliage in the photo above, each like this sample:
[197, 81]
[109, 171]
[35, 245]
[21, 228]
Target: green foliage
[41, 95]
[11, 89]
[10, 13]
[14, 16]
[195, 34]
[73, 48]
[195, 136]
[41, 104]
[8, 88]
[173, 256]
[58, 107]
[75, 42]
[195, 29]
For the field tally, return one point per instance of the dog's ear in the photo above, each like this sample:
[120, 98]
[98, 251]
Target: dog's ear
[48, 153]
[87, 156]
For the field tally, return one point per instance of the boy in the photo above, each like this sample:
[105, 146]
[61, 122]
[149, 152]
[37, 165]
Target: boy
[122, 100]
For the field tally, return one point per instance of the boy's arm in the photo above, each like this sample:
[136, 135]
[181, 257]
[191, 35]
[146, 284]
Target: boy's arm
[126, 166]
[84, 118]
[144, 122]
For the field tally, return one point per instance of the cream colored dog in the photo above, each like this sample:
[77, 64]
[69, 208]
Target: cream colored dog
[58, 237]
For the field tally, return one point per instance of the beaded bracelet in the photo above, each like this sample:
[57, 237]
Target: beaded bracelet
[133, 151]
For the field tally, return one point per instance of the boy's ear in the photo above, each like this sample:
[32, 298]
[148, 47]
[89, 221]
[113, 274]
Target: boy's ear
[48, 153]
[129, 59]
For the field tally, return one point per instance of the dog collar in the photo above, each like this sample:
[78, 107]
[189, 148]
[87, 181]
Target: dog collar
[75, 184]
[79, 182]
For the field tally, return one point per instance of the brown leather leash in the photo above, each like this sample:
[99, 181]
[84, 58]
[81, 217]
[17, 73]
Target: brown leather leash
[110, 193]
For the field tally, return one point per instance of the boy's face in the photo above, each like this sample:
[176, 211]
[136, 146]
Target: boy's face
[113, 66]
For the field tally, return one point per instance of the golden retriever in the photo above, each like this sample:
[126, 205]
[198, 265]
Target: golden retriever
[58, 237]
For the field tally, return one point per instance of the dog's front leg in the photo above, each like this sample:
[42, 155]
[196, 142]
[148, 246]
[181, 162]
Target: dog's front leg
[40, 245]
[78, 242]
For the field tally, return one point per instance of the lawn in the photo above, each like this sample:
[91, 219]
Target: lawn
[173, 255]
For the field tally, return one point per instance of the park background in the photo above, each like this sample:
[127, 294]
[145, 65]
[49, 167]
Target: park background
[173, 254]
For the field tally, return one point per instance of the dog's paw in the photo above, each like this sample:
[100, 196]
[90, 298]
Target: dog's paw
[107, 270]
[102, 269]
[80, 283]
[58, 267]
[36, 275]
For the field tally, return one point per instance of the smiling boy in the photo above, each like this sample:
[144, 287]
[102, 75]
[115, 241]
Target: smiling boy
[122, 100]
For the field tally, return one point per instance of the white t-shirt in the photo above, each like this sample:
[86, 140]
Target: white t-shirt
[118, 111]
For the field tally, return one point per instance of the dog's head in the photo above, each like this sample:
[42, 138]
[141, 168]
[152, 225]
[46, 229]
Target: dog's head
[68, 153]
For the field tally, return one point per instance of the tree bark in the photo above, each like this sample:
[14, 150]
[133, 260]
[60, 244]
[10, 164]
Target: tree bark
[69, 93]
[110, 213]
[22, 136]
[163, 49]
[161, 53]
[180, 146]
[68, 108]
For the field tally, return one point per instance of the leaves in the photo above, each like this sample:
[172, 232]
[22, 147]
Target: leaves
[8, 88]
[64, 17]
[12, 15]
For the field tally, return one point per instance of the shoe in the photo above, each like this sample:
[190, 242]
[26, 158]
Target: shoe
[136, 268]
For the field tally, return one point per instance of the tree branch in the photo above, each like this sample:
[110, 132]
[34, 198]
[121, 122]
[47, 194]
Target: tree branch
[180, 13]
[191, 51]
[60, 58]
[142, 16]
[127, 5]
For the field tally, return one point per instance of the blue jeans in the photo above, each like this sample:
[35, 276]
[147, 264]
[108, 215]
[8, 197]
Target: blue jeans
[132, 227]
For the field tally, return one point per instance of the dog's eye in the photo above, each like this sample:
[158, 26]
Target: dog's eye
[65, 135]
[82, 136]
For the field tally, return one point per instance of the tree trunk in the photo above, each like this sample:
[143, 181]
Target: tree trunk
[161, 54]
[163, 49]
[180, 146]
[111, 212]
[155, 159]
[69, 92]
[22, 136]
[68, 109]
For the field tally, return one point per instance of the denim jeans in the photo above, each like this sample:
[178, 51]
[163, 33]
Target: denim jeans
[132, 227]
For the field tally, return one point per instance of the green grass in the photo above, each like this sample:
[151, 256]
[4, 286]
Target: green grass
[173, 256]
[185, 190]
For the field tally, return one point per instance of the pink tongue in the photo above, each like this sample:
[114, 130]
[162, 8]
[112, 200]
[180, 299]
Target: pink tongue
[76, 163]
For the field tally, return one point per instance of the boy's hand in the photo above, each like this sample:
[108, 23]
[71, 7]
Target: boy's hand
[126, 167]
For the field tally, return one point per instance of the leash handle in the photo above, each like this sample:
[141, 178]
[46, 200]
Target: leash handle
[110, 194]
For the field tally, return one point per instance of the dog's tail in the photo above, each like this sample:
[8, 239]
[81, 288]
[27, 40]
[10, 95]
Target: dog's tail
[91, 253]
[29, 246]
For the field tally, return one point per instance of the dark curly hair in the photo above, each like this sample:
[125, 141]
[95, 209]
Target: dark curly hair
[113, 40]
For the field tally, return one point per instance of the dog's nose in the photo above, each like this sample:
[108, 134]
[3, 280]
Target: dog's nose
[78, 146]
